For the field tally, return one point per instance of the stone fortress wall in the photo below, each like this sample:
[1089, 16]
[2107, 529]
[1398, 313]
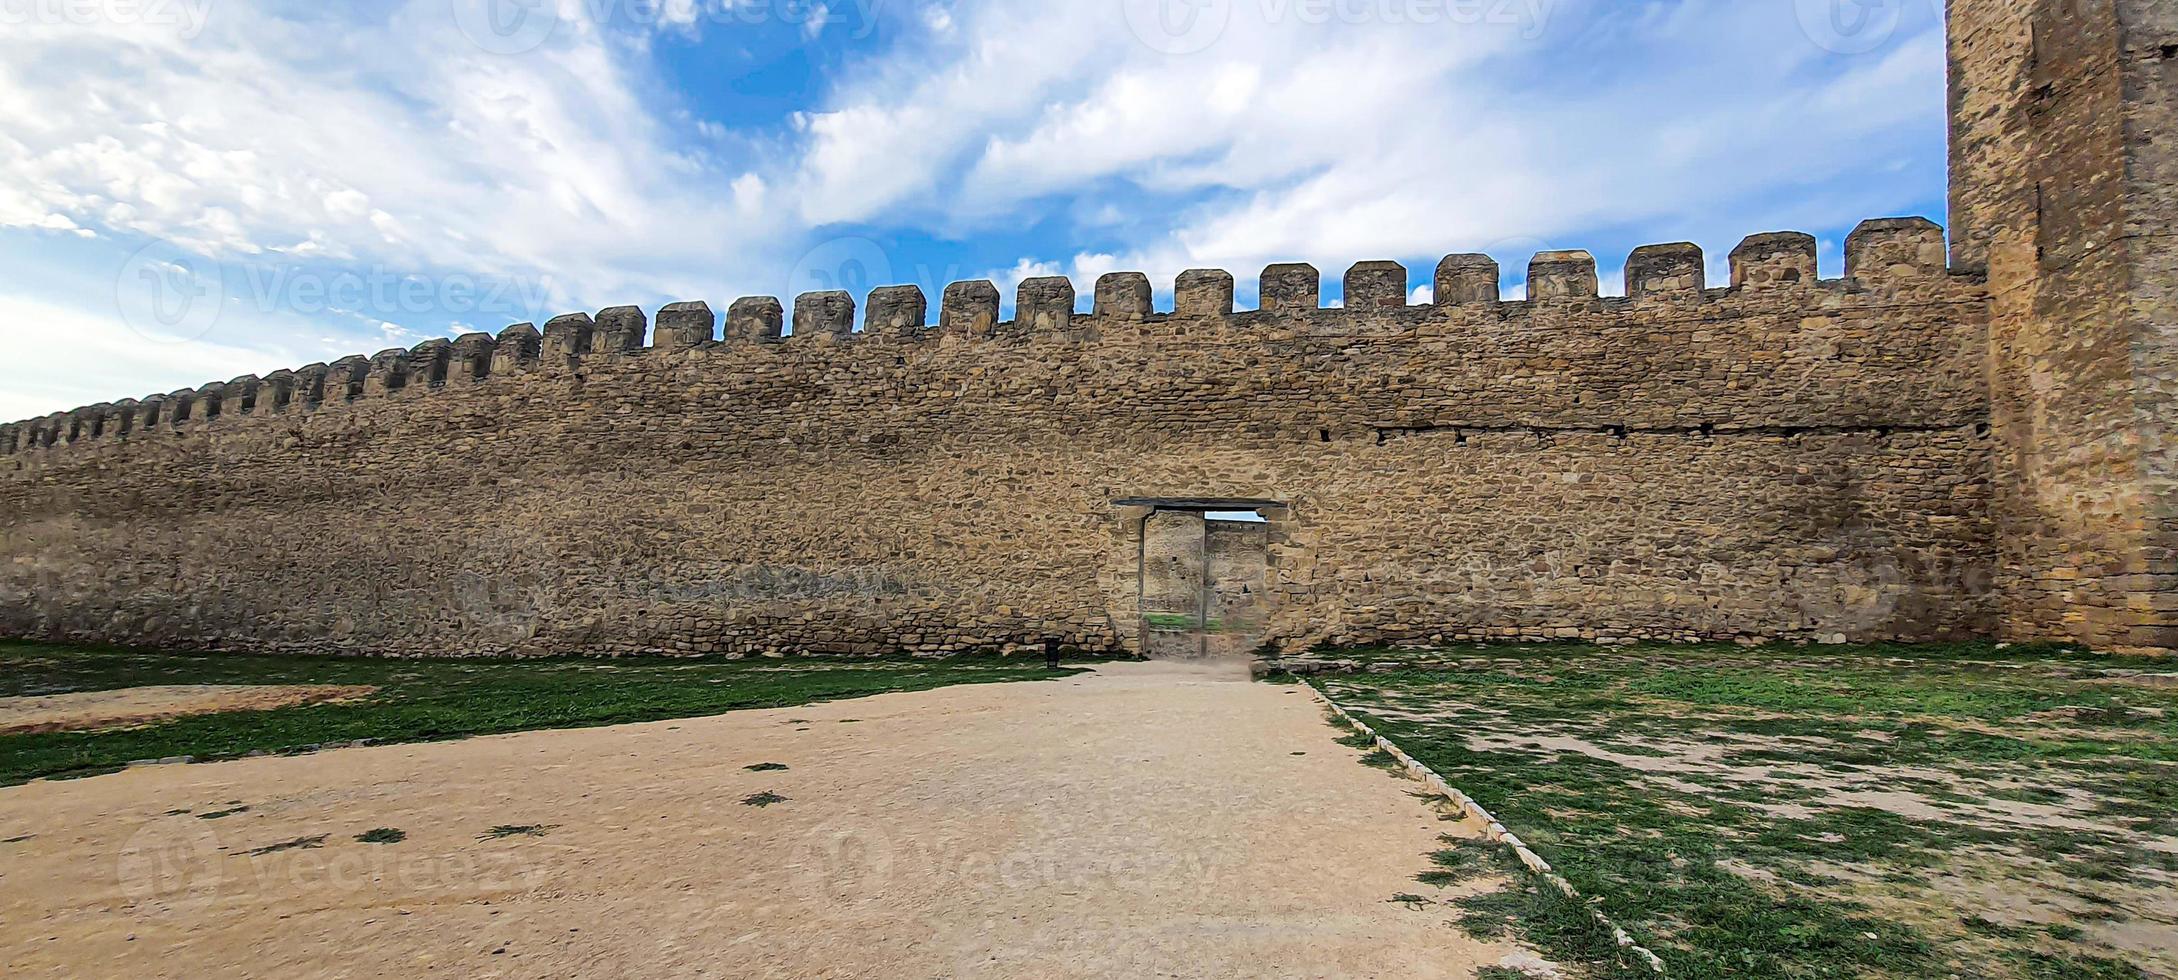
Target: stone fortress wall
[1927, 448]
[1789, 457]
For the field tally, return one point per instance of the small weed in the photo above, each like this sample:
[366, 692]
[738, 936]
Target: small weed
[763, 799]
[216, 814]
[766, 767]
[1415, 902]
[506, 830]
[298, 844]
[382, 835]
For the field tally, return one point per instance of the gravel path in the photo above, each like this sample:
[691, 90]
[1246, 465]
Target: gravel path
[1145, 820]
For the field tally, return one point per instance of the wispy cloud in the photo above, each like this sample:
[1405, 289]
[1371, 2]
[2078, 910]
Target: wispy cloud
[310, 141]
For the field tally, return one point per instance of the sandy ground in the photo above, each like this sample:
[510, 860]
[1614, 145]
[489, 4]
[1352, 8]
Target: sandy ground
[144, 705]
[1149, 820]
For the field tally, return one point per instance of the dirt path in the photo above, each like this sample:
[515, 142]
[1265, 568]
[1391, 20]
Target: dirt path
[131, 706]
[1148, 820]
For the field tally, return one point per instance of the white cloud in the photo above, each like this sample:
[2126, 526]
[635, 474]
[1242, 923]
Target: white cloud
[1288, 139]
[89, 346]
[305, 135]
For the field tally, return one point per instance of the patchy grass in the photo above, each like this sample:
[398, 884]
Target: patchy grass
[1825, 812]
[382, 835]
[764, 799]
[506, 830]
[428, 700]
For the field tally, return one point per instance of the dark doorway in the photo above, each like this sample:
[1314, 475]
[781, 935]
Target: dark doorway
[1202, 570]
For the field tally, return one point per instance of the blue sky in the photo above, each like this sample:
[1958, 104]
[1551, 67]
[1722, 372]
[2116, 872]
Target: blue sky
[198, 189]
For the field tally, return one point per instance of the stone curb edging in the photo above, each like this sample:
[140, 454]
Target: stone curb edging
[1528, 858]
[311, 749]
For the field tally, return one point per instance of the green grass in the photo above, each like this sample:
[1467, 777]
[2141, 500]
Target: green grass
[382, 835]
[1827, 812]
[1181, 621]
[433, 699]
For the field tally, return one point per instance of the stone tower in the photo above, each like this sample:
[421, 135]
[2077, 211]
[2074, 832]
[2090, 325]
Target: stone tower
[2064, 190]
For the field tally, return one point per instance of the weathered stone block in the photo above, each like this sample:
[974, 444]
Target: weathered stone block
[1659, 271]
[755, 320]
[1203, 292]
[969, 309]
[1123, 295]
[1895, 250]
[618, 330]
[1044, 306]
[824, 317]
[1783, 258]
[688, 325]
[1376, 286]
[567, 337]
[897, 313]
[517, 348]
[1291, 286]
[1464, 279]
[1562, 276]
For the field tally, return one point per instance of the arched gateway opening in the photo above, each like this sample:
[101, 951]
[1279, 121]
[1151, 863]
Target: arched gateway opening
[1201, 575]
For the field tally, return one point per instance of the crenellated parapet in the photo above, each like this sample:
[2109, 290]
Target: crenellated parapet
[1886, 260]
